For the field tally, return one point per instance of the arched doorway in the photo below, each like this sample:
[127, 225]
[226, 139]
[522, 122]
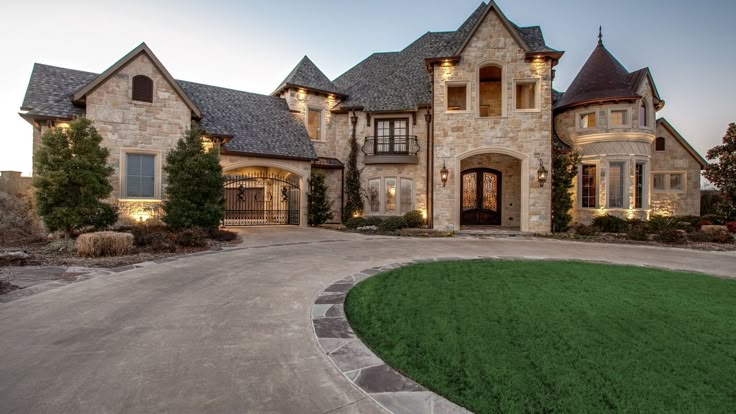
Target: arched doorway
[481, 197]
[261, 195]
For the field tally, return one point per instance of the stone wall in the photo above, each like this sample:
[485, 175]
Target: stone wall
[524, 135]
[132, 126]
[675, 158]
[12, 182]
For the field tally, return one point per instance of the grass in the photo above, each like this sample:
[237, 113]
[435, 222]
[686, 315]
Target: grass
[521, 336]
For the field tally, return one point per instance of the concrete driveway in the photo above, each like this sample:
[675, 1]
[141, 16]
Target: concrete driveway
[229, 332]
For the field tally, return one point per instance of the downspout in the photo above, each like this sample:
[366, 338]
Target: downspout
[342, 193]
[430, 152]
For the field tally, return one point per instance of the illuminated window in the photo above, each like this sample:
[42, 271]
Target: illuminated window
[616, 184]
[457, 97]
[589, 187]
[490, 91]
[587, 120]
[639, 189]
[526, 95]
[669, 182]
[619, 118]
[390, 195]
[142, 88]
[659, 144]
[406, 195]
[374, 195]
[314, 123]
[140, 175]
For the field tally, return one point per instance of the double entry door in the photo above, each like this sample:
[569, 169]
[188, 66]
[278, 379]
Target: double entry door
[481, 197]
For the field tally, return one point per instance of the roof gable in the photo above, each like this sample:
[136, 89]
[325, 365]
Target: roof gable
[142, 48]
[510, 27]
[308, 76]
[666, 125]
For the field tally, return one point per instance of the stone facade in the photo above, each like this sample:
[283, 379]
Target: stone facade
[675, 159]
[525, 136]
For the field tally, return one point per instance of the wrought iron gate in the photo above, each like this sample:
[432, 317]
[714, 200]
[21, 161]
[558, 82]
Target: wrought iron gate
[252, 200]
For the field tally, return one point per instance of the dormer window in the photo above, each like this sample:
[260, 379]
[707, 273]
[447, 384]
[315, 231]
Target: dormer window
[142, 88]
[587, 121]
[618, 118]
[643, 114]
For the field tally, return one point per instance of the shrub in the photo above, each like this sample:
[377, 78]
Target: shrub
[638, 233]
[318, 205]
[18, 221]
[101, 216]
[223, 235]
[670, 236]
[692, 220]
[731, 225]
[61, 246]
[414, 219]
[702, 223]
[104, 243]
[564, 171]
[191, 238]
[392, 224]
[710, 237]
[373, 221]
[355, 222]
[583, 230]
[195, 190]
[610, 224]
[154, 237]
[713, 218]
[658, 224]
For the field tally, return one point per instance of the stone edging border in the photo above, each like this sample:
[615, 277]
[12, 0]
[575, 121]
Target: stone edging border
[390, 389]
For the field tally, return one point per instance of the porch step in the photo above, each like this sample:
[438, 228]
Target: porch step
[495, 233]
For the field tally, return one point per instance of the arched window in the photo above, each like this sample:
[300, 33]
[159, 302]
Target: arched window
[142, 88]
[490, 91]
[659, 144]
[643, 114]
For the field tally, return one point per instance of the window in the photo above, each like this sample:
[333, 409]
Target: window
[638, 195]
[314, 123]
[616, 184]
[643, 114]
[618, 118]
[526, 95]
[140, 175]
[457, 97]
[490, 91]
[659, 144]
[587, 120]
[374, 195]
[659, 181]
[392, 136]
[390, 196]
[142, 88]
[589, 189]
[675, 182]
[406, 195]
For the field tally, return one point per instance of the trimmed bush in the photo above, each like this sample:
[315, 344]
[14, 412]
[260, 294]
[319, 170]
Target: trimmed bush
[610, 224]
[191, 238]
[223, 235]
[638, 233]
[392, 224]
[104, 243]
[583, 230]
[702, 223]
[153, 237]
[414, 219]
[731, 225]
[658, 224]
[373, 221]
[710, 237]
[713, 218]
[355, 222]
[670, 236]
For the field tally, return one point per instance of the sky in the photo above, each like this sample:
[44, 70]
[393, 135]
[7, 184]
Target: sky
[252, 45]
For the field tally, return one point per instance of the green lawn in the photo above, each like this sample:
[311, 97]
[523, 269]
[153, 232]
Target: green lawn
[526, 336]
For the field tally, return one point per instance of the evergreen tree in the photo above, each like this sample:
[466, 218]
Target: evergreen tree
[564, 171]
[72, 179]
[195, 195]
[353, 195]
[723, 173]
[318, 205]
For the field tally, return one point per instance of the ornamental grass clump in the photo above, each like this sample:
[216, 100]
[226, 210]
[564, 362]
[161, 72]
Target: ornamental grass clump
[104, 243]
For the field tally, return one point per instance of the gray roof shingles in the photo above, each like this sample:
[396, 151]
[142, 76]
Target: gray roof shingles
[306, 74]
[258, 124]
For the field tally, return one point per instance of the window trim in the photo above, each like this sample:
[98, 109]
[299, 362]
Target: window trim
[537, 99]
[382, 195]
[580, 114]
[124, 174]
[667, 181]
[448, 85]
[504, 104]
[132, 89]
[597, 165]
[307, 110]
[626, 124]
[647, 124]
[411, 194]
[644, 194]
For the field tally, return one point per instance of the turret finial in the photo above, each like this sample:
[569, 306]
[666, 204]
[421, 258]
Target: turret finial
[600, 35]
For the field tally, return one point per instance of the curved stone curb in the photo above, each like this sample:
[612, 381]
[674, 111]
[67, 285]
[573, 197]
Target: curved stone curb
[390, 389]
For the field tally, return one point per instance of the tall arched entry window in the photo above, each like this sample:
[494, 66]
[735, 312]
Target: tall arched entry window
[490, 91]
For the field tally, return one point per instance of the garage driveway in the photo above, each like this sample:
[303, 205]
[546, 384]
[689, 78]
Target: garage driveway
[229, 332]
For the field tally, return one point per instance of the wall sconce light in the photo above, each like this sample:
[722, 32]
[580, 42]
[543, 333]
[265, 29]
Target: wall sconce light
[541, 174]
[354, 118]
[444, 173]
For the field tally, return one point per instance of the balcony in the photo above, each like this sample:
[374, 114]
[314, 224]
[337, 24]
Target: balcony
[396, 149]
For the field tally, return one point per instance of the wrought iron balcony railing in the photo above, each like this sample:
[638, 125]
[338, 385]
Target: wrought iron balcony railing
[401, 145]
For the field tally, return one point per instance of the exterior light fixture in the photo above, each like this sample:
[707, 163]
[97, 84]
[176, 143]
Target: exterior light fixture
[354, 118]
[444, 173]
[541, 174]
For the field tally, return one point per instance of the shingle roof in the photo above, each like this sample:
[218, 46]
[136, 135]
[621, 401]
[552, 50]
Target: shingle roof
[258, 124]
[307, 75]
[328, 163]
[603, 77]
[394, 81]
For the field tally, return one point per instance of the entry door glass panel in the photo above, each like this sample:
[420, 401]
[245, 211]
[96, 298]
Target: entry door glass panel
[481, 197]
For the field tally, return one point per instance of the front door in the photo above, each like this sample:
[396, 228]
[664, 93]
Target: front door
[481, 197]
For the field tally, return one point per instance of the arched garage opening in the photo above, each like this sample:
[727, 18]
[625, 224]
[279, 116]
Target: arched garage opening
[262, 195]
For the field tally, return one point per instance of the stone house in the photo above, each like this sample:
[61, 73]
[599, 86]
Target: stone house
[460, 125]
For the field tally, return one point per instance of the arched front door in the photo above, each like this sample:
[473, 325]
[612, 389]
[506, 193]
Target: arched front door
[480, 200]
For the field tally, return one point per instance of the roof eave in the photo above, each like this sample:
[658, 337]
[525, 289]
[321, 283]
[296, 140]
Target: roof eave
[271, 156]
[597, 100]
[699, 158]
[492, 6]
[288, 85]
